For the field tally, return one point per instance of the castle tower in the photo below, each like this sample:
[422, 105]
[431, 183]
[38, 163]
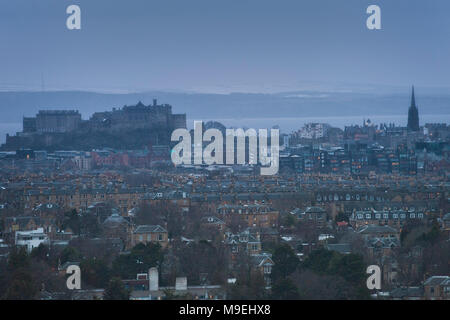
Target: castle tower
[413, 114]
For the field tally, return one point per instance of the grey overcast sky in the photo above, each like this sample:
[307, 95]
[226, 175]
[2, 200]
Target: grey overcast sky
[220, 46]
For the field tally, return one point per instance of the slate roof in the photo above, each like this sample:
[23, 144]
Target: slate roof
[149, 229]
[212, 220]
[403, 292]
[383, 242]
[436, 280]
[343, 248]
[372, 228]
[262, 259]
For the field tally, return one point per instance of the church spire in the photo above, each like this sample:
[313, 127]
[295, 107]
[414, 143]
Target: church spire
[413, 98]
[413, 114]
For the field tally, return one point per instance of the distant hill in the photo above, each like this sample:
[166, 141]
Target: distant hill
[15, 105]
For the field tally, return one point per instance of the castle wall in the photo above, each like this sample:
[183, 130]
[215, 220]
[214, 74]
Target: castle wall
[57, 121]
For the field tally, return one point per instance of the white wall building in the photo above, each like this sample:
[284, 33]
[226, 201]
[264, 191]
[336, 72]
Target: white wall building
[31, 238]
[314, 130]
[83, 161]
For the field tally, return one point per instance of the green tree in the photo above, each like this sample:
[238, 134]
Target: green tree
[89, 225]
[285, 261]
[141, 258]
[285, 289]
[341, 216]
[351, 267]
[318, 261]
[69, 254]
[72, 221]
[18, 258]
[22, 286]
[249, 285]
[41, 252]
[116, 290]
[289, 220]
[432, 236]
[95, 272]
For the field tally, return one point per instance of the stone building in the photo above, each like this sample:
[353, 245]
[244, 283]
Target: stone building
[55, 121]
[138, 116]
[150, 233]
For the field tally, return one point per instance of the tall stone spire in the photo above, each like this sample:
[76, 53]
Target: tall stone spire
[413, 114]
[413, 98]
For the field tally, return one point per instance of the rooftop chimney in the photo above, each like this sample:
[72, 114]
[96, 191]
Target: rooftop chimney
[181, 283]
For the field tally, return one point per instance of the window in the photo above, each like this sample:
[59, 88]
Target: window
[386, 216]
[378, 216]
[420, 215]
[412, 215]
[267, 269]
[160, 237]
[395, 216]
[368, 215]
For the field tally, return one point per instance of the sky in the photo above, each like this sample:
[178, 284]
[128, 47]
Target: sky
[223, 46]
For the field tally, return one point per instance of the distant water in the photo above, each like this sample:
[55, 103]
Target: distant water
[286, 124]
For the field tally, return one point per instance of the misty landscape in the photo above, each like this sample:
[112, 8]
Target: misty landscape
[231, 109]
[206, 153]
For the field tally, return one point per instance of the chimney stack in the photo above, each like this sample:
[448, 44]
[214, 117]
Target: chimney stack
[181, 283]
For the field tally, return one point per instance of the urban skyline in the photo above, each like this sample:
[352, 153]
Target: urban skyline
[224, 150]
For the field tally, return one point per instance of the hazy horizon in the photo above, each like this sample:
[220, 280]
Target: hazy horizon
[216, 60]
[221, 47]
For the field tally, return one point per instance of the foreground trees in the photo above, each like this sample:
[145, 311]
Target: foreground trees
[24, 275]
[323, 275]
[141, 258]
[116, 290]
